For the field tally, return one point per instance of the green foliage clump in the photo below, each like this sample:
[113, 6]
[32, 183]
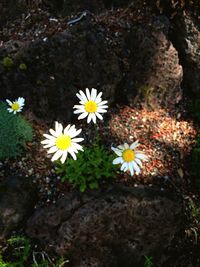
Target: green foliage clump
[15, 132]
[194, 211]
[23, 67]
[8, 62]
[20, 254]
[91, 166]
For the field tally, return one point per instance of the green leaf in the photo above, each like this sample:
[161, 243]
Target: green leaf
[82, 187]
[93, 185]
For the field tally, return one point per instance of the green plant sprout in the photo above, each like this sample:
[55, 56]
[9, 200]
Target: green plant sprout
[22, 255]
[148, 261]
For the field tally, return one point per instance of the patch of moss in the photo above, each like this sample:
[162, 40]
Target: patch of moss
[7, 62]
[23, 67]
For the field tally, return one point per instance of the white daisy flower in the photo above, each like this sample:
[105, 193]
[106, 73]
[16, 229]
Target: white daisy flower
[62, 141]
[129, 158]
[91, 105]
[16, 106]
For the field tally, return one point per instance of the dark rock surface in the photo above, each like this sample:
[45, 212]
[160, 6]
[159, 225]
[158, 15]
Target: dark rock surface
[70, 7]
[17, 200]
[113, 228]
[155, 74]
[187, 42]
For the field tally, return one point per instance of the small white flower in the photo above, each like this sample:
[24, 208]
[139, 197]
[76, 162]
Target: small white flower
[129, 158]
[16, 106]
[61, 142]
[91, 105]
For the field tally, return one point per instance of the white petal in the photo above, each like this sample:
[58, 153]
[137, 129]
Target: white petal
[101, 110]
[48, 145]
[53, 149]
[93, 117]
[79, 111]
[117, 151]
[60, 129]
[134, 145]
[72, 149]
[98, 98]
[126, 146]
[88, 94]
[75, 133]
[89, 117]
[79, 107]
[54, 133]
[84, 98]
[56, 125]
[50, 137]
[9, 102]
[102, 103]
[20, 101]
[93, 94]
[98, 115]
[48, 142]
[135, 166]
[103, 107]
[77, 140]
[82, 116]
[64, 156]
[130, 166]
[73, 155]
[10, 110]
[72, 131]
[138, 161]
[57, 155]
[124, 166]
[67, 129]
[81, 99]
[117, 160]
[79, 96]
[77, 146]
[141, 156]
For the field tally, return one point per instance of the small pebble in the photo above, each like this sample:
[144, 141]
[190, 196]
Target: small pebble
[47, 180]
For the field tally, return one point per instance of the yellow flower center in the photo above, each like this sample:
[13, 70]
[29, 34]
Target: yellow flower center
[15, 106]
[63, 142]
[91, 106]
[128, 155]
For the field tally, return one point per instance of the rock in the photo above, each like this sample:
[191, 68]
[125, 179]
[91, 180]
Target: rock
[187, 43]
[17, 200]
[155, 75]
[113, 228]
